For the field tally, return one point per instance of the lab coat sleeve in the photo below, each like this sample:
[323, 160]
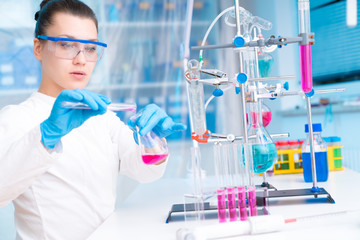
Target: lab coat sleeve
[22, 156]
[128, 151]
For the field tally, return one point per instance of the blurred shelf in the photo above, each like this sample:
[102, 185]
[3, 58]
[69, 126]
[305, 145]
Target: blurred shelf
[144, 85]
[152, 24]
[14, 92]
[336, 108]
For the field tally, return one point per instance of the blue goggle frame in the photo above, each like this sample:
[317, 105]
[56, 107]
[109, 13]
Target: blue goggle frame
[56, 39]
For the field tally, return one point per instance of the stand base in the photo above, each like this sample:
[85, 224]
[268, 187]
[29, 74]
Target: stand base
[261, 200]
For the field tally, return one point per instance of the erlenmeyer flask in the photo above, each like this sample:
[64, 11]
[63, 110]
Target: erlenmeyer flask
[153, 149]
[263, 148]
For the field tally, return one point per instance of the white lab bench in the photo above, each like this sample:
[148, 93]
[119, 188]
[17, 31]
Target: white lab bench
[143, 214]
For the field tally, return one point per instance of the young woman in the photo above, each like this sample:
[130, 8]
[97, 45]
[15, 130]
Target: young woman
[59, 166]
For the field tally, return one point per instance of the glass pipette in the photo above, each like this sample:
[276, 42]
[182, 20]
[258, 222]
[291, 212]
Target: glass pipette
[320, 216]
[112, 107]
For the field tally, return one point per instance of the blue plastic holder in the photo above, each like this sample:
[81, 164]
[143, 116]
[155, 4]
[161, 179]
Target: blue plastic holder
[310, 94]
[218, 92]
[242, 78]
[286, 86]
[239, 41]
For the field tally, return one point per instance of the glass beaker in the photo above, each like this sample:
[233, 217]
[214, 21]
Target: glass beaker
[153, 148]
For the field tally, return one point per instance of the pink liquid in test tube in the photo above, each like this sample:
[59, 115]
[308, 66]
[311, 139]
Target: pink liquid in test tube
[252, 201]
[153, 158]
[221, 205]
[232, 204]
[306, 70]
[242, 203]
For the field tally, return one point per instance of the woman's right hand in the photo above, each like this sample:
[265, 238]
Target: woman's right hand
[62, 120]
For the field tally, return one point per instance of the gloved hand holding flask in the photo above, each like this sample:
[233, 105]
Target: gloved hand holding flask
[150, 125]
[62, 120]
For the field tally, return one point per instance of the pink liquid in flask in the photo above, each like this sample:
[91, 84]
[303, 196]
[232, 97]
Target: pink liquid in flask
[306, 70]
[153, 158]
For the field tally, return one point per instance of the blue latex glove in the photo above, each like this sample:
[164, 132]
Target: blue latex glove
[153, 118]
[62, 120]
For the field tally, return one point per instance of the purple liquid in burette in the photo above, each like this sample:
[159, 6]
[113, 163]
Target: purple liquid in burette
[306, 70]
[153, 158]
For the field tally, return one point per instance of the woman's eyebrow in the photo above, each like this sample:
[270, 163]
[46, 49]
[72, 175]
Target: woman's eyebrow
[70, 36]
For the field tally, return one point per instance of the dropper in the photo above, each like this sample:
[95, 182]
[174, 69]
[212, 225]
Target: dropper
[112, 107]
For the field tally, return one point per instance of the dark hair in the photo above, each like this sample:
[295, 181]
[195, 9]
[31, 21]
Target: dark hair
[48, 8]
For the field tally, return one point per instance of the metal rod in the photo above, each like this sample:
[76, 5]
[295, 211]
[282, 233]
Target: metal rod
[301, 93]
[223, 137]
[217, 46]
[330, 90]
[272, 78]
[311, 136]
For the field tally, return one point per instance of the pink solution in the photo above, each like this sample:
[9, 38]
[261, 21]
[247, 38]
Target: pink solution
[266, 118]
[232, 204]
[221, 205]
[306, 70]
[153, 158]
[252, 202]
[242, 203]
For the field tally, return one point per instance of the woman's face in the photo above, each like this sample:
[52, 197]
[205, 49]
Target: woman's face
[59, 74]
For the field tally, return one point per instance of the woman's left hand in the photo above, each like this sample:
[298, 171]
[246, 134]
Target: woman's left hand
[154, 118]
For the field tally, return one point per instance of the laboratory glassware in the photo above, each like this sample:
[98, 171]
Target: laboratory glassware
[112, 107]
[153, 148]
[266, 62]
[321, 159]
[263, 148]
[196, 97]
[305, 47]
[266, 115]
[220, 175]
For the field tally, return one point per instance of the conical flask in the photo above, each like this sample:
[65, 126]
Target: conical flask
[263, 148]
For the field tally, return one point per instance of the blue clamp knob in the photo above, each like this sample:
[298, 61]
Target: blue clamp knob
[272, 98]
[315, 189]
[218, 92]
[239, 41]
[241, 78]
[286, 86]
[310, 94]
[237, 90]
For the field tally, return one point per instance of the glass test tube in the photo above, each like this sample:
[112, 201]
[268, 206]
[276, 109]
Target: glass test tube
[305, 50]
[219, 171]
[240, 181]
[251, 194]
[229, 155]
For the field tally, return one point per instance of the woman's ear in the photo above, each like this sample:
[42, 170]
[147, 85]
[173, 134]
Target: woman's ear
[37, 49]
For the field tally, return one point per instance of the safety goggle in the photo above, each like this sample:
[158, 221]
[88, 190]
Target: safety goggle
[69, 48]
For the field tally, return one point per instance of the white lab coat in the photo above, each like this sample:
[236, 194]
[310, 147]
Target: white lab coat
[69, 192]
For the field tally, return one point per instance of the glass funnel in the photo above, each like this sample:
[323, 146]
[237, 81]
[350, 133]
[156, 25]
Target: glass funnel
[266, 63]
[263, 148]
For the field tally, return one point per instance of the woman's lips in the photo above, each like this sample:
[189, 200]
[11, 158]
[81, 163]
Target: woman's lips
[78, 75]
